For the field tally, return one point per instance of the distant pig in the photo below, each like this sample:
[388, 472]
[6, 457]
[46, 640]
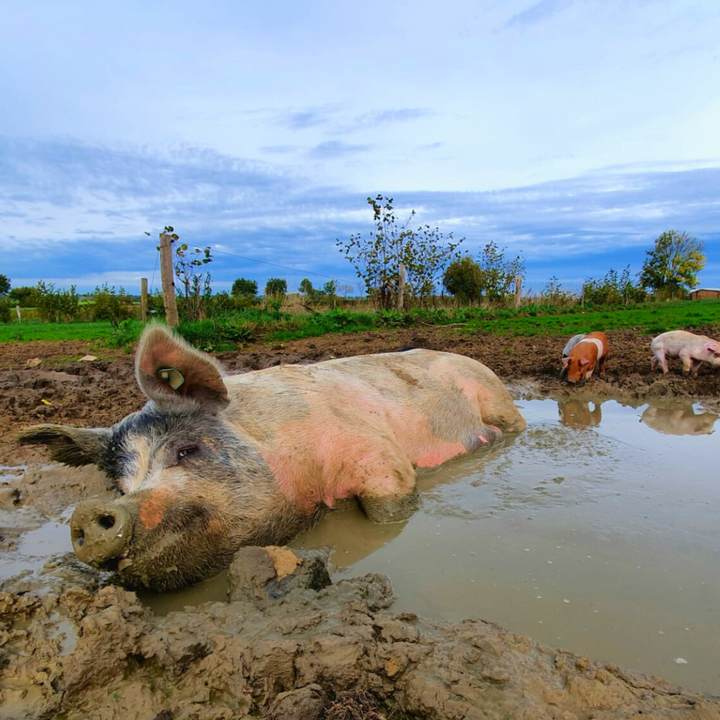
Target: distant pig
[584, 355]
[692, 349]
[212, 462]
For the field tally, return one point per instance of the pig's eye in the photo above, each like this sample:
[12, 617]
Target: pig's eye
[187, 451]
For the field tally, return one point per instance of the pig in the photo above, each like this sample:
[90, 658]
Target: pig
[679, 421]
[584, 355]
[214, 462]
[577, 413]
[692, 349]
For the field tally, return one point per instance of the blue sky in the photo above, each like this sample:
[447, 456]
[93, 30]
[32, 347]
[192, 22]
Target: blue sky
[571, 131]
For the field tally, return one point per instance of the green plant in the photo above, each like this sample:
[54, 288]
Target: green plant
[5, 310]
[672, 265]
[55, 304]
[244, 288]
[464, 279]
[111, 305]
[377, 258]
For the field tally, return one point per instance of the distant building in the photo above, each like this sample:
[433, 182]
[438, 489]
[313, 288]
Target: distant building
[705, 294]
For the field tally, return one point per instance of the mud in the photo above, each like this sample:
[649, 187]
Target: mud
[72, 645]
[294, 648]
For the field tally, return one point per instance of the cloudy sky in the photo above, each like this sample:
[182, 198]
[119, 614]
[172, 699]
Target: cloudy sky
[571, 131]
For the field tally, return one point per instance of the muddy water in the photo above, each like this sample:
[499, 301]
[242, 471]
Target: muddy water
[595, 530]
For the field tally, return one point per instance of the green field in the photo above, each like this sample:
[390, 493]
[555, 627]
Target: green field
[230, 331]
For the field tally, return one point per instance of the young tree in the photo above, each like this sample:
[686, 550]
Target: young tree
[306, 287]
[673, 263]
[464, 278]
[276, 287]
[498, 273]
[377, 258]
[244, 288]
[195, 290]
[4, 285]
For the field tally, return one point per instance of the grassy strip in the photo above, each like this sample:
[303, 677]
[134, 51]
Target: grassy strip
[229, 331]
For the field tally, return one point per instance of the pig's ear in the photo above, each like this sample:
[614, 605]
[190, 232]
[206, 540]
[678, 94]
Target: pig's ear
[713, 347]
[168, 368]
[566, 361]
[584, 361]
[69, 445]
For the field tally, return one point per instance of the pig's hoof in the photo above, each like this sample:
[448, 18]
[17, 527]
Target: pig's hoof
[390, 508]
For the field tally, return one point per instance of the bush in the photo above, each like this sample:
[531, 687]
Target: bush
[5, 311]
[56, 305]
[110, 305]
[24, 296]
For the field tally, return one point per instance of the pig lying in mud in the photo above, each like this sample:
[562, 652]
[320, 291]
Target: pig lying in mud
[582, 353]
[692, 349]
[212, 463]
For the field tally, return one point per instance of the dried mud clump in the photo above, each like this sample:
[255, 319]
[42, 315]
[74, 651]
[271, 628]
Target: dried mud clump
[294, 647]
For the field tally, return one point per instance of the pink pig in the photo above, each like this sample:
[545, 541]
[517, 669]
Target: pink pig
[690, 348]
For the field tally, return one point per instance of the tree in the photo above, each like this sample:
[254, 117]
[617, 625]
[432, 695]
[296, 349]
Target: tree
[464, 278]
[377, 258]
[25, 296]
[4, 285]
[195, 289]
[673, 263]
[244, 288]
[276, 287]
[498, 273]
[306, 287]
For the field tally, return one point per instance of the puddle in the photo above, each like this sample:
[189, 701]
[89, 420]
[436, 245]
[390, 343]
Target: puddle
[595, 530]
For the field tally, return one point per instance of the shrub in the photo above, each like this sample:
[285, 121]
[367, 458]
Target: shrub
[110, 305]
[5, 311]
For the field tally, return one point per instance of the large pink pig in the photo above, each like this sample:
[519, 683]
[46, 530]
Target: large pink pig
[214, 462]
[692, 349]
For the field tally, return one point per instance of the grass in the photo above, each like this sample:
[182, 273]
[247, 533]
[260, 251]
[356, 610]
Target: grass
[229, 331]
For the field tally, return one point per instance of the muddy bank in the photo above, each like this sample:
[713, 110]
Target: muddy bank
[292, 647]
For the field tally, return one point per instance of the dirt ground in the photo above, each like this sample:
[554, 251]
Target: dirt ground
[73, 645]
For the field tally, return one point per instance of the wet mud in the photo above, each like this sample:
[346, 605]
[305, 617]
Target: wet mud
[285, 642]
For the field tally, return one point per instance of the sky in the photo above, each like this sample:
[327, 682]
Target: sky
[572, 132]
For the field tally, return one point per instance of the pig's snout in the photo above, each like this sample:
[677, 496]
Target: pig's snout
[100, 532]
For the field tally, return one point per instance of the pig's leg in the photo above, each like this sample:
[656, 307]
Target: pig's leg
[687, 362]
[659, 357]
[390, 495]
[602, 366]
[653, 363]
[695, 366]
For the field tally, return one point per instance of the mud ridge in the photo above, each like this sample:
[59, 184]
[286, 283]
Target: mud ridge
[293, 648]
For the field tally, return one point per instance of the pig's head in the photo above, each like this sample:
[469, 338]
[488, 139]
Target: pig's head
[711, 352]
[575, 366]
[193, 489]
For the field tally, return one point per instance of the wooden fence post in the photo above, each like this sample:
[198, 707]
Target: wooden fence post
[143, 299]
[518, 291]
[401, 286]
[19, 314]
[582, 296]
[168, 280]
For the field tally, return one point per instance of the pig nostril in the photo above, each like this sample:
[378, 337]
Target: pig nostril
[106, 521]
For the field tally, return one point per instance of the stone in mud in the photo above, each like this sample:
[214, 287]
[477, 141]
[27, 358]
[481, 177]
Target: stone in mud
[259, 575]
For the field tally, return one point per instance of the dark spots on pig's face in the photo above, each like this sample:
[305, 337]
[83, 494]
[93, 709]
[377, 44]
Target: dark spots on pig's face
[153, 448]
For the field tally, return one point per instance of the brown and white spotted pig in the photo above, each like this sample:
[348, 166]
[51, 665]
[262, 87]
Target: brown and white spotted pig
[215, 462]
[584, 355]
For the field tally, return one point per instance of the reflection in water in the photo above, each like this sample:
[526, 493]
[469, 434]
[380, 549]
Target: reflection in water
[679, 420]
[577, 413]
